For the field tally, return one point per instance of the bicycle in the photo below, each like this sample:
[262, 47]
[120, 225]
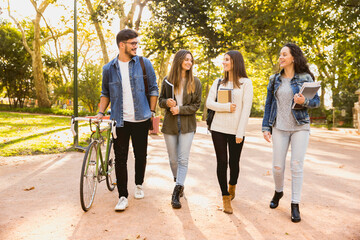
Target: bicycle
[95, 168]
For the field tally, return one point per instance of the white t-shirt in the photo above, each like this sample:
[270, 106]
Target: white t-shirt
[179, 97]
[128, 101]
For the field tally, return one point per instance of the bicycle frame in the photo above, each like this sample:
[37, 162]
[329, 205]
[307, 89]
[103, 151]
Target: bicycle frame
[97, 137]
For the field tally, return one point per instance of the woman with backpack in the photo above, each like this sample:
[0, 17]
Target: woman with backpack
[230, 120]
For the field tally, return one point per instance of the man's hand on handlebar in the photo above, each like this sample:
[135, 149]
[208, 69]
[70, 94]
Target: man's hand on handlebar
[99, 116]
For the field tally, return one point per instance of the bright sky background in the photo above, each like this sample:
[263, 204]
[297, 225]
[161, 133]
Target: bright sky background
[21, 9]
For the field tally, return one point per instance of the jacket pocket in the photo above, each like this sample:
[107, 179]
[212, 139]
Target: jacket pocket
[139, 82]
[114, 88]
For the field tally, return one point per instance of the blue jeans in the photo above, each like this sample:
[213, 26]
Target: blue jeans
[178, 147]
[299, 141]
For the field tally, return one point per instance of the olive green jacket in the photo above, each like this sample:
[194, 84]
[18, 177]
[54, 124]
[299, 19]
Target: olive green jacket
[191, 103]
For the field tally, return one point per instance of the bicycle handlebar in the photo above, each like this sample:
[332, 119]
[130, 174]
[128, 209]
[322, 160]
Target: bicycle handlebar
[93, 119]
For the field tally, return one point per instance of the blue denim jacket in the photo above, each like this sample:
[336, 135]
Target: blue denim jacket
[112, 88]
[301, 116]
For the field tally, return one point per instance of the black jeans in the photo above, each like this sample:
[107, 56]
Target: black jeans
[221, 142]
[139, 139]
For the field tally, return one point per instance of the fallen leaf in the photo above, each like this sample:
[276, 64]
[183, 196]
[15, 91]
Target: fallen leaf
[29, 189]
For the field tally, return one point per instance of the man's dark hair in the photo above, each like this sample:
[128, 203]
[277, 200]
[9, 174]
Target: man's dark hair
[125, 35]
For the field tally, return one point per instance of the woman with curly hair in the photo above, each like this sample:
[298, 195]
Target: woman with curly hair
[288, 126]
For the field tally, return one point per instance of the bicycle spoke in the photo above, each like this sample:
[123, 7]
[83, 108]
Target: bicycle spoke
[110, 173]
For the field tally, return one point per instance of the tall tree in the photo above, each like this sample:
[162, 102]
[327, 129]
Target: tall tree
[35, 49]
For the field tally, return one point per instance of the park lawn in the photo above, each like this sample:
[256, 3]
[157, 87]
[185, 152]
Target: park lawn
[25, 134]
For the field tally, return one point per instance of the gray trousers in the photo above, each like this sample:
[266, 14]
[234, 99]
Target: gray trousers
[281, 141]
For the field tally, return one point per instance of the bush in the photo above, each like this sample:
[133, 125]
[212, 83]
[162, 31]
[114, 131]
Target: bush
[256, 112]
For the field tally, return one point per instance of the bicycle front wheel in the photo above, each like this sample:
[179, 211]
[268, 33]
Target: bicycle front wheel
[110, 171]
[88, 179]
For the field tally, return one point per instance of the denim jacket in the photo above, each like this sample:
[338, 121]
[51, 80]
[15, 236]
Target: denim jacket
[112, 88]
[301, 116]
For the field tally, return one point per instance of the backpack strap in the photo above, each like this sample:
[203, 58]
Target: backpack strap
[273, 83]
[145, 79]
[217, 88]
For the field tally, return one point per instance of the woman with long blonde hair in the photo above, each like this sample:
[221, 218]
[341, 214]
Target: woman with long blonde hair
[180, 97]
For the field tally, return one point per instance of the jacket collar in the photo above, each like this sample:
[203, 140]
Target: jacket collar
[115, 60]
[296, 75]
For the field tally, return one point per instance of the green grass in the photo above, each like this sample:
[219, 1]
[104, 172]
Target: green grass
[24, 134]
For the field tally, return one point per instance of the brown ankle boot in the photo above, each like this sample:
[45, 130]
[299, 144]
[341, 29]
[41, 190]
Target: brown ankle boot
[232, 191]
[227, 204]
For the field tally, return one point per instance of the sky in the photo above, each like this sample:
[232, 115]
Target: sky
[21, 9]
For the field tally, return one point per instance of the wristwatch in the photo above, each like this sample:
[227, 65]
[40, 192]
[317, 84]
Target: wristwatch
[152, 113]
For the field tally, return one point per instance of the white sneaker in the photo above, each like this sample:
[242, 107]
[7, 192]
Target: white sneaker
[139, 193]
[122, 204]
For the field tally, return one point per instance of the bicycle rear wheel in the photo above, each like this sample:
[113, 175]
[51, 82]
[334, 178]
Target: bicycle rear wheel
[88, 179]
[110, 171]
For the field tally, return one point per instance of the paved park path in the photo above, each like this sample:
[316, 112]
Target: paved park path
[330, 207]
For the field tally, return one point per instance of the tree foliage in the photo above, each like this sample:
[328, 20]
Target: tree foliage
[328, 31]
[90, 86]
[15, 66]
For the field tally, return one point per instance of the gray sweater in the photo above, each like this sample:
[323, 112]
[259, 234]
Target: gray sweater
[284, 119]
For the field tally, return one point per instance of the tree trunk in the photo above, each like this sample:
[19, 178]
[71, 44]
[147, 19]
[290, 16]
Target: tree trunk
[138, 20]
[99, 32]
[322, 97]
[40, 85]
[206, 91]
[39, 81]
[128, 20]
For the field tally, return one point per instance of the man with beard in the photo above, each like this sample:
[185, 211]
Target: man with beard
[123, 86]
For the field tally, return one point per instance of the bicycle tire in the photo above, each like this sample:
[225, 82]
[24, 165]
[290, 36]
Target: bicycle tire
[111, 176]
[88, 178]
